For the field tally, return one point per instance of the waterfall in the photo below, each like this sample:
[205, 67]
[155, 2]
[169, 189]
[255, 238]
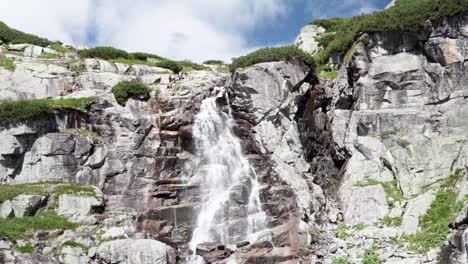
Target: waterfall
[223, 172]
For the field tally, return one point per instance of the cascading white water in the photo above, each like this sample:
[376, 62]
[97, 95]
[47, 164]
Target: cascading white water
[464, 244]
[221, 167]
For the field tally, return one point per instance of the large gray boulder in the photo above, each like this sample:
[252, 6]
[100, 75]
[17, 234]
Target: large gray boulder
[139, 251]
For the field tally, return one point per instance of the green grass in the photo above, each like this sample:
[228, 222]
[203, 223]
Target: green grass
[25, 249]
[10, 35]
[126, 89]
[15, 228]
[8, 192]
[448, 183]
[371, 257]
[47, 55]
[392, 190]
[192, 65]
[133, 61]
[73, 244]
[7, 63]
[392, 221]
[405, 16]
[80, 104]
[340, 260]
[329, 75]
[272, 54]
[433, 226]
[340, 231]
[75, 190]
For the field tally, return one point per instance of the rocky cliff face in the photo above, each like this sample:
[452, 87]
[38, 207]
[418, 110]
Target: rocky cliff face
[346, 167]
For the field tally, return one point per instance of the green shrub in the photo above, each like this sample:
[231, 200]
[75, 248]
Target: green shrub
[126, 89]
[329, 75]
[7, 63]
[371, 257]
[9, 35]
[144, 56]
[272, 54]
[308, 246]
[106, 53]
[214, 62]
[15, 228]
[189, 65]
[405, 16]
[359, 227]
[12, 111]
[331, 25]
[25, 249]
[340, 231]
[58, 47]
[170, 65]
[340, 260]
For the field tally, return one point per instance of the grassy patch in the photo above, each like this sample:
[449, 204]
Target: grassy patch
[392, 221]
[359, 227]
[126, 89]
[405, 16]
[392, 191]
[392, 132]
[192, 65]
[329, 75]
[73, 244]
[340, 231]
[47, 55]
[82, 132]
[7, 63]
[20, 110]
[340, 260]
[370, 257]
[133, 61]
[308, 246]
[75, 190]
[272, 54]
[8, 192]
[10, 35]
[15, 228]
[25, 249]
[434, 224]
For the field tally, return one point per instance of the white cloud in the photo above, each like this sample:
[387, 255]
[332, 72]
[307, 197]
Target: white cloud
[182, 29]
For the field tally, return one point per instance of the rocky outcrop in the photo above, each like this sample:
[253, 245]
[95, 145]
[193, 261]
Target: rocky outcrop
[399, 112]
[307, 38]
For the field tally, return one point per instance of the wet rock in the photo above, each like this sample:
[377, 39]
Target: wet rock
[212, 252]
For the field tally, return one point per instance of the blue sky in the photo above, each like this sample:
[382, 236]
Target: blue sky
[184, 29]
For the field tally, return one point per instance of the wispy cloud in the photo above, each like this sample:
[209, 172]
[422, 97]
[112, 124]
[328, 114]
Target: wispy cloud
[183, 29]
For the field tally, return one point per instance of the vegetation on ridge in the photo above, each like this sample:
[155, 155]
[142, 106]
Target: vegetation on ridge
[405, 16]
[272, 54]
[10, 35]
[20, 110]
